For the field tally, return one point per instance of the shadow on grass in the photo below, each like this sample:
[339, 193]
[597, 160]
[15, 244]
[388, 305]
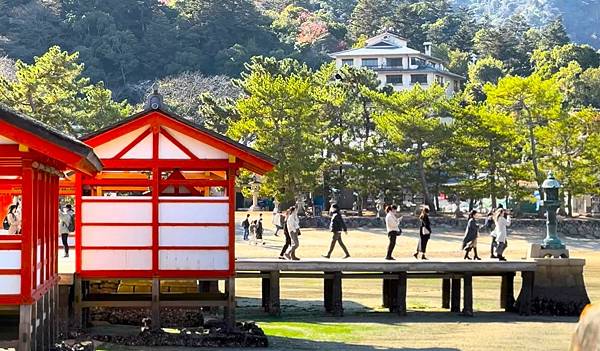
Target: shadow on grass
[282, 343]
[312, 312]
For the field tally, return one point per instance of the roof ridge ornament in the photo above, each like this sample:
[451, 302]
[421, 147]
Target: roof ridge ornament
[155, 100]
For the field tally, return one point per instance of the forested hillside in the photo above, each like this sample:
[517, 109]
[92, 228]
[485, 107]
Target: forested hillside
[128, 43]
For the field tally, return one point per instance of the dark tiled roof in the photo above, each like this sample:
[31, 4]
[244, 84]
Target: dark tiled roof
[50, 134]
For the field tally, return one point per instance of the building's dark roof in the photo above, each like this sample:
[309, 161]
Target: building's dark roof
[189, 123]
[50, 135]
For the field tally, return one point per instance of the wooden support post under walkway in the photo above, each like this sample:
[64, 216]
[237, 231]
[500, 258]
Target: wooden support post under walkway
[333, 293]
[271, 293]
[507, 293]
[455, 295]
[526, 293]
[155, 303]
[468, 294]
[446, 293]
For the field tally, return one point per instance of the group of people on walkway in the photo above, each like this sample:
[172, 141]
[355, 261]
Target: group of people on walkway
[66, 223]
[288, 221]
[253, 230]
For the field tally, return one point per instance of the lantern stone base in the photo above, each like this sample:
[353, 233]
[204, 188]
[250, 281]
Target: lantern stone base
[538, 251]
[559, 288]
[254, 208]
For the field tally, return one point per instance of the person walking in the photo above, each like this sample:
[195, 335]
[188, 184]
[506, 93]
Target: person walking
[246, 227]
[392, 225]
[424, 233]
[259, 228]
[293, 226]
[501, 220]
[14, 220]
[286, 233]
[336, 226]
[470, 240]
[66, 226]
[277, 222]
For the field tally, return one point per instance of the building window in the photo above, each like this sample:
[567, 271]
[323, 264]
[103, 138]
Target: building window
[457, 85]
[418, 78]
[369, 62]
[393, 79]
[415, 61]
[347, 62]
[394, 62]
[439, 80]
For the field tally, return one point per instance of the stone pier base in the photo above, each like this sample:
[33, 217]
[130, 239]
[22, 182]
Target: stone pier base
[559, 288]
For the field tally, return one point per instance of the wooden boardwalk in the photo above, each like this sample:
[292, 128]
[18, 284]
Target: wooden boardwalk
[454, 275]
[456, 278]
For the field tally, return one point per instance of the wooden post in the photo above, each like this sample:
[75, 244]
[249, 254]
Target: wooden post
[77, 296]
[230, 309]
[41, 332]
[455, 295]
[271, 293]
[386, 293]
[54, 314]
[445, 293]
[327, 293]
[337, 308]
[526, 293]
[468, 294]
[25, 328]
[63, 314]
[47, 321]
[264, 281]
[155, 303]
[34, 324]
[507, 292]
[401, 294]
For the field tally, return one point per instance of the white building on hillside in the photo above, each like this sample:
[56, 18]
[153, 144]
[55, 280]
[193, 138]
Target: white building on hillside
[398, 65]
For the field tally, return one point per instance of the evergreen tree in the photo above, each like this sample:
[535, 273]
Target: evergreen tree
[53, 91]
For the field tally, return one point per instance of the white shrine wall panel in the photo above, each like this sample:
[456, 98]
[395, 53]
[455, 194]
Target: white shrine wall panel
[98, 210]
[168, 150]
[117, 260]
[116, 235]
[199, 149]
[10, 259]
[142, 150]
[113, 147]
[10, 284]
[190, 212]
[194, 236]
[193, 260]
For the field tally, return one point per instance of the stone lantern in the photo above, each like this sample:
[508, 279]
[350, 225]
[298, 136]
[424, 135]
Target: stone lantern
[255, 187]
[551, 202]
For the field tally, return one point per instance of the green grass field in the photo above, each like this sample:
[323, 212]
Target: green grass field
[304, 325]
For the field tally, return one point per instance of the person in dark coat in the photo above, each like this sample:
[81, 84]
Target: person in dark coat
[286, 233]
[336, 226]
[246, 227]
[424, 233]
[259, 228]
[470, 240]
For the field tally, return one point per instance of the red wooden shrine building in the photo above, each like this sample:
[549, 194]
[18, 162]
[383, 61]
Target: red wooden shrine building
[162, 208]
[32, 159]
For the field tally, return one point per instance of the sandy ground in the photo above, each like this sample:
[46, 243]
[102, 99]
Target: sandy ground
[366, 326]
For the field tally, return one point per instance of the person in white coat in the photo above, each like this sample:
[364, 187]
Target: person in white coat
[392, 225]
[293, 227]
[501, 221]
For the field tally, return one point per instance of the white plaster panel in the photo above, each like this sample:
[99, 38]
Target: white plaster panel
[168, 150]
[113, 147]
[193, 236]
[5, 140]
[193, 259]
[116, 260]
[142, 150]
[10, 284]
[190, 212]
[198, 148]
[10, 259]
[116, 212]
[116, 236]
